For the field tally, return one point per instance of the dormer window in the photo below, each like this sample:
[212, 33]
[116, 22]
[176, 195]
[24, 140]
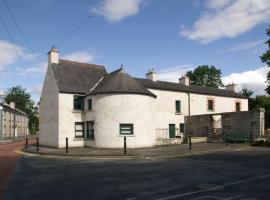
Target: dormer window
[78, 102]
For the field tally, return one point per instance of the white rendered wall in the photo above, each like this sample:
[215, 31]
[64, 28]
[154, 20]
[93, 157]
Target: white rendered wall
[67, 119]
[48, 111]
[165, 108]
[112, 109]
[198, 104]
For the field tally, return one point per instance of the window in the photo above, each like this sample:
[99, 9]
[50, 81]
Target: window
[78, 102]
[237, 106]
[182, 127]
[79, 129]
[89, 104]
[126, 129]
[210, 104]
[178, 106]
[90, 129]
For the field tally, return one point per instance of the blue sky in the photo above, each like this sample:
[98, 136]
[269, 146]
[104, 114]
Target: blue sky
[170, 36]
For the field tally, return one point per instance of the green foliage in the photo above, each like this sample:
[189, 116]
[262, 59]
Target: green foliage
[206, 75]
[262, 101]
[266, 59]
[246, 92]
[24, 103]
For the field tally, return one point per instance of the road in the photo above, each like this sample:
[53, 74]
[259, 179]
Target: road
[8, 161]
[243, 174]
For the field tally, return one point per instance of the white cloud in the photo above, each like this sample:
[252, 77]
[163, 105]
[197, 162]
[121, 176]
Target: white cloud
[116, 10]
[174, 73]
[245, 46]
[227, 18]
[253, 79]
[35, 70]
[36, 90]
[80, 56]
[8, 54]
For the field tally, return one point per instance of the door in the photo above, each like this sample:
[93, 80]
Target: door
[171, 130]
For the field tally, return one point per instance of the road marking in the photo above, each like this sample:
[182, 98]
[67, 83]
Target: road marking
[219, 198]
[214, 188]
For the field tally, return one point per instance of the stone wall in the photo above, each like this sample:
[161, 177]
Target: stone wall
[251, 122]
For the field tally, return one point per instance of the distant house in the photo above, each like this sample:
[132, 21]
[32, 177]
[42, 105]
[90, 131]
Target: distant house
[94, 108]
[13, 122]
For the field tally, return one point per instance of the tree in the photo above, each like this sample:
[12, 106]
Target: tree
[246, 92]
[266, 59]
[206, 75]
[24, 103]
[263, 101]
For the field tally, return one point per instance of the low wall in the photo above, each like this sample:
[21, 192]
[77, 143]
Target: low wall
[251, 122]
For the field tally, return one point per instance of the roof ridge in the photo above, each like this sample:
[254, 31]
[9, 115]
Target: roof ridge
[81, 63]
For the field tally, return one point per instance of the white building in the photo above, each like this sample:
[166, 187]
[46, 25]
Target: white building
[94, 108]
[13, 122]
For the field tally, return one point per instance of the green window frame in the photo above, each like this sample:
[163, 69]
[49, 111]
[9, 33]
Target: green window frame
[182, 127]
[79, 129]
[90, 130]
[90, 104]
[126, 129]
[78, 102]
[177, 106]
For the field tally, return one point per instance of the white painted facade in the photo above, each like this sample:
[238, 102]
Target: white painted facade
[146, 113]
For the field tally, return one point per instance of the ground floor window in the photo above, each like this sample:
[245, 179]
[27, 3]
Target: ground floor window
[182, 127]
[172, 130]
[79, 129]
[126, 129]
[90, 133]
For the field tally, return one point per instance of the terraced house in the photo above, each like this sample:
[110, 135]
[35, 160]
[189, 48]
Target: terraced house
[95, 108]
[13, 122]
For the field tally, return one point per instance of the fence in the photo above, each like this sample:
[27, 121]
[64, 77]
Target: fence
[163, 133]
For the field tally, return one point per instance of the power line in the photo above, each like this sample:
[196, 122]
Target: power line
[13, 45]
[74, 30]
[18, 27]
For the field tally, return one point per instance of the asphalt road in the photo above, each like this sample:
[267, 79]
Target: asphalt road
[237, 175]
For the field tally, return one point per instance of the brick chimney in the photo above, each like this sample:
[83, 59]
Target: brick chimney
[53, 56]
[151, 75]
[184, 80]
[231, 87]
[12, 104]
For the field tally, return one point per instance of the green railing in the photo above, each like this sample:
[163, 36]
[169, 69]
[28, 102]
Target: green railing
[236, 137]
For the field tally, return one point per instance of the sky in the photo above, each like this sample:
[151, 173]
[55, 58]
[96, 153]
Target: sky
[171, 37]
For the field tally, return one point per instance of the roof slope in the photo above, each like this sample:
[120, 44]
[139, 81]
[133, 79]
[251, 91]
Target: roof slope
[74, 77]
[120, 82]
[169, 86]
[8, 108]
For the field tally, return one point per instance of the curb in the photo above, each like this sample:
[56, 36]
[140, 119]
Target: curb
[125, 157]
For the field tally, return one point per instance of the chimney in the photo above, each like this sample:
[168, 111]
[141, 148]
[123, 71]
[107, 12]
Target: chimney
[151, 75]
[184, 80]
[231, 87]
[53, 56]
[12, 104]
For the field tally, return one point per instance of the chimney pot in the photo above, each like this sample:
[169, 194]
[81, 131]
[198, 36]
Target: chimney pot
[184, 80]
[151, 75]
[12, 104]
[53, 56]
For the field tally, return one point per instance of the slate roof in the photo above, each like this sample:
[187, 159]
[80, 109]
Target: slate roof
[169, 86]
[8, 108]
[77, 78]
[120, 82]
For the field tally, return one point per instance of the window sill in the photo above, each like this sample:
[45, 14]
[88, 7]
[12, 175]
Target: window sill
[77, 111]
[178, 113]
[126, 135]
[89, 139]
[210, 110]
[78, 139]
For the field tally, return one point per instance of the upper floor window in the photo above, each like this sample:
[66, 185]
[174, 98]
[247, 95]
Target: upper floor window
[238, 106]
[78, 102]
[210, 104]
[178, 106]
[89, 104]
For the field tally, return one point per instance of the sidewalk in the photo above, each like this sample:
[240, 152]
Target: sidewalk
[154, 152]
